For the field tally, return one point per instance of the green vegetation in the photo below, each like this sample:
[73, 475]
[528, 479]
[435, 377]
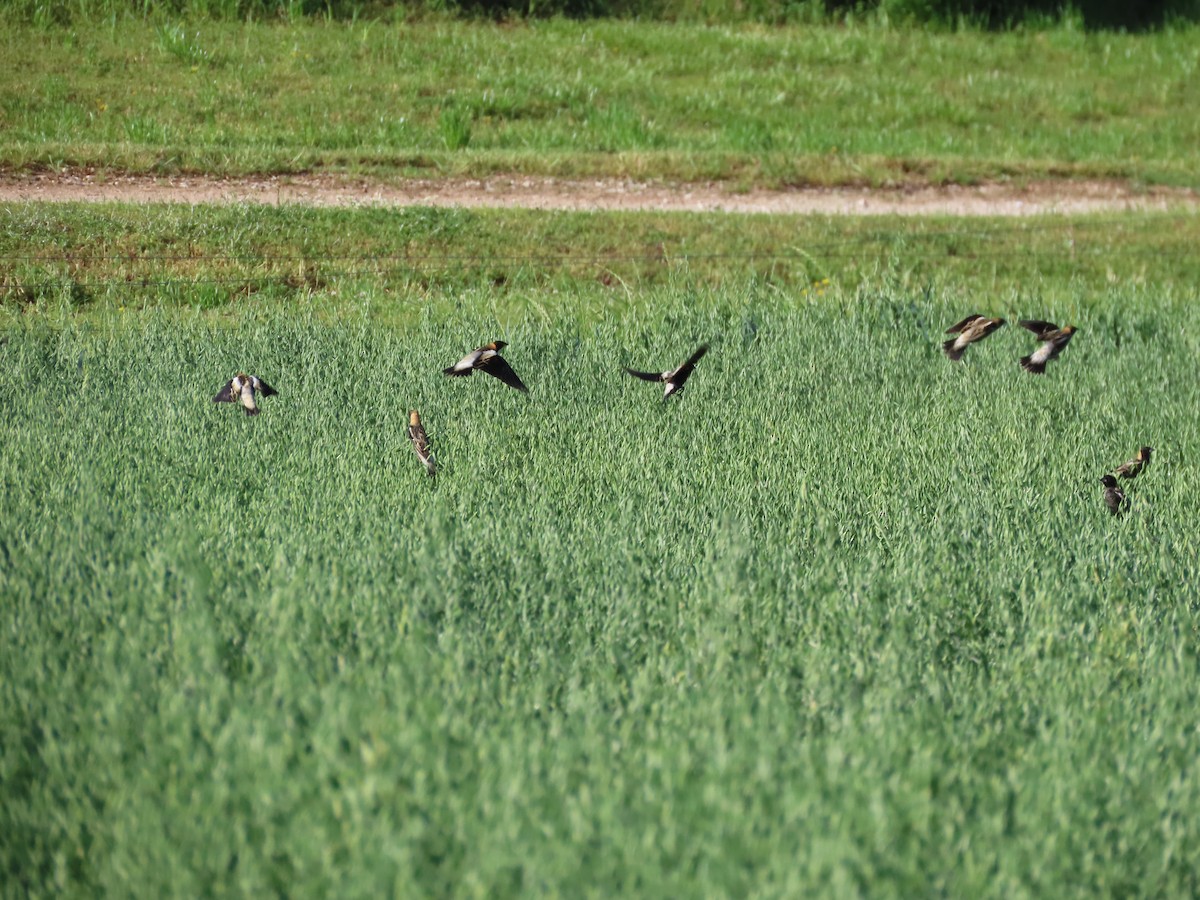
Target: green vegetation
[957, 13]
[92, 260]
[794, 105]
[847, 619]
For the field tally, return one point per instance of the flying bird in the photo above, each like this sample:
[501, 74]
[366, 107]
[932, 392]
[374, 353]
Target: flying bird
[1053, 340]
[241, 388]
[487, 359]
[971, 329]
[420, 442]
[1133, 467]
[1114, 497]
[673, 378]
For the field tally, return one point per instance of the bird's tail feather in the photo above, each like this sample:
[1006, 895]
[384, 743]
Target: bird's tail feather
[951, 351]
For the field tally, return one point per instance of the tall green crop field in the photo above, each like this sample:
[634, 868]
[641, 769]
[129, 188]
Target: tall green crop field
[846, 618]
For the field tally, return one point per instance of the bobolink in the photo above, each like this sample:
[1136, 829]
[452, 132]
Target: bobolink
[487, 359]
[673, 378]
[1053, 340]
[241, 388]
[971, 329]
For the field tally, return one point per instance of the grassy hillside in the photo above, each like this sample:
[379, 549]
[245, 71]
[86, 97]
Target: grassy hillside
[846, 619]
[821, 104]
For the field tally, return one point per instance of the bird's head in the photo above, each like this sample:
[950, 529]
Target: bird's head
[1108, 481]
[414, 418]
[497, 345]
[1144, 453]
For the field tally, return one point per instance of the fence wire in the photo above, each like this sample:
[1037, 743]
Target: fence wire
[1075, 239]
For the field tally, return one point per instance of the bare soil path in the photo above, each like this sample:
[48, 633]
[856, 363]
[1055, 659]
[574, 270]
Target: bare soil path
[995, 199]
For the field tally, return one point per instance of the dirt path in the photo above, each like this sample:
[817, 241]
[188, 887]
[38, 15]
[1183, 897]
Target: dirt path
[561, 194]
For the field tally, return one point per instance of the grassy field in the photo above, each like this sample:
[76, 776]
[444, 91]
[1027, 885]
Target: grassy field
[847, 619]
[88, 261]
[823, 105]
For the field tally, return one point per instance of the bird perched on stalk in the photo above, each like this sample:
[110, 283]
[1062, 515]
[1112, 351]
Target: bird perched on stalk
[1133, 467]
[420, 442]
[487, 359]
[1114, 497]
[241, 388]
[674, 379]
[971, 329]
[1053, 340]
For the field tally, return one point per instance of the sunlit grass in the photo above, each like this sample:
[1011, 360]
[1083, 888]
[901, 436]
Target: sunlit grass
[88, 260]
[846, 618]
[821, 104]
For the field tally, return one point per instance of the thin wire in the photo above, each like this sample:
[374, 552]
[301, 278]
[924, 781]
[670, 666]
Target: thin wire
[314, 270]
[1070, 229]
[448, 260]
[246, 280]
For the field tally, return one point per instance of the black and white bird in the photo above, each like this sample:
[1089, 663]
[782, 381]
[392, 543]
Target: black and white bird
[241, 389]
[1053, 340]
[487, 359]
[674, 379]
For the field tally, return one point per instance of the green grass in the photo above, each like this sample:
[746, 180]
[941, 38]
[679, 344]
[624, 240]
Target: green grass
[91, 260]
[752, 105]
[847, 619]
[1010, 14]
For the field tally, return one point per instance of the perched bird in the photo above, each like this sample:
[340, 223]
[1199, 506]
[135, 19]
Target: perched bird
[1114, 497]
[241, 388]
[971, 329]
[1134, 466]
[674, 378]
[420, 442]
[488, 359]
[1053, 340]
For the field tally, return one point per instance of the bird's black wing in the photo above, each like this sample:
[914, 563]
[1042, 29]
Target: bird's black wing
[680, 375]
[1116, 500]
[1042, 329]
[225, 395]
[645, 376]
[992, 325]
[1060, 338]
[955, 329]
[266, 389]
[496, 366]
